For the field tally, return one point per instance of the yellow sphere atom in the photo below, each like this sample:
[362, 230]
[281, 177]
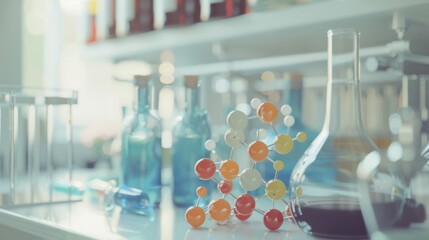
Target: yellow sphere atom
[298, 191]
[283, 144]
[278, 165]
[275, 189]
[201, 191]
[301, 137]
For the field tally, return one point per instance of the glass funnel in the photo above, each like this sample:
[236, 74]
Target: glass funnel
[327, 205]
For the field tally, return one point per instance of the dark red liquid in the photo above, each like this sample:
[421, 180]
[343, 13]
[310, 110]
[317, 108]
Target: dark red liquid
[331, 220]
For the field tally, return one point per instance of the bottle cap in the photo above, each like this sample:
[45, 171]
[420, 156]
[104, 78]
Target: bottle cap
[141, 80]
[191, 81]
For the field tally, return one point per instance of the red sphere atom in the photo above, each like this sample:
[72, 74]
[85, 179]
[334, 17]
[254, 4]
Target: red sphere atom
[273, 219]
[240, 216]
[224, 187]
[205, 168]
[245, 204]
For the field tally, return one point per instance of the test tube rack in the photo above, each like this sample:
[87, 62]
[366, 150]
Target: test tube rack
[27, 118]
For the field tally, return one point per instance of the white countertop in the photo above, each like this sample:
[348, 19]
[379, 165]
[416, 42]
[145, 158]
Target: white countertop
[87, 219]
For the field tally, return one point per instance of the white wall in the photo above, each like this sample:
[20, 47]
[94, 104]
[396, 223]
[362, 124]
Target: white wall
[10, 42]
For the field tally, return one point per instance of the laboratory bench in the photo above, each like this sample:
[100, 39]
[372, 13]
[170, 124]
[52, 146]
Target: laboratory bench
[87, 219]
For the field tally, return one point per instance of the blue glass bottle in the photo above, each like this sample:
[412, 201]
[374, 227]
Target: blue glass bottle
[141, 146]
[293, 97]
[190, 133]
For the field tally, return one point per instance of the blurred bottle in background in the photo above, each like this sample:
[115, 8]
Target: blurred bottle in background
[123, 14]
[92, 12]
[137, 16]
[112, 18]
[212, 9]
[190, 133]
[104, 18]
[182, 12]
[141, 145]
[143, 16]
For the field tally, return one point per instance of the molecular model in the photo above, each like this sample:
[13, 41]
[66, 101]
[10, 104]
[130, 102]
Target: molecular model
[250, 179]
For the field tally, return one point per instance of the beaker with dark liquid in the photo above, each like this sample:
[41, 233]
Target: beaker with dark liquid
[328, 205]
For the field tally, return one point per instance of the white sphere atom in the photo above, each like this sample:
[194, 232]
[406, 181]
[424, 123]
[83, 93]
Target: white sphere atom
[255, 102]
[250, 179]
[237, 120]
[289, 121]
[210, 145]
[234, 138]
[286, 110]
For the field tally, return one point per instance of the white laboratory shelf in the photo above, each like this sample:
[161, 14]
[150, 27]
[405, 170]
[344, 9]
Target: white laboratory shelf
[285, 31]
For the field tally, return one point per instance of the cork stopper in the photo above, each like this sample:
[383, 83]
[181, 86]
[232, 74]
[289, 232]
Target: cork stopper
[191, 81]
[295, 80]
[141, 80]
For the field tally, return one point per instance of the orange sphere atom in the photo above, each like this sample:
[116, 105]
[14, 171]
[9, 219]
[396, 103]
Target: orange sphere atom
[267, 112]
[195, 216]
[228, 170]
[258, 151]
[219, 210]
[201, 191]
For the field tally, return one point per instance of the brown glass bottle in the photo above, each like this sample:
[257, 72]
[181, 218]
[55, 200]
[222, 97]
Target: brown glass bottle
[228, 8]
[143, 20]
[185, 12]
[112, 19]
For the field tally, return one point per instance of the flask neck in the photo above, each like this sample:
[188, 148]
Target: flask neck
[343, 107]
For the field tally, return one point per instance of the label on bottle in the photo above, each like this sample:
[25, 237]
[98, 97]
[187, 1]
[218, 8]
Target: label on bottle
[205, 10]
[158, 14]
[102, 19]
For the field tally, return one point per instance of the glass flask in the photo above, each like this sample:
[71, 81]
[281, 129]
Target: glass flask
[141, 146]
[328, 205]
[190, 132]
